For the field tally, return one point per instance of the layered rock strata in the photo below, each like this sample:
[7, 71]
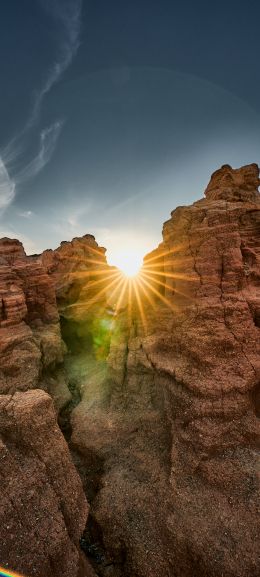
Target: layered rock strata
[30, 340]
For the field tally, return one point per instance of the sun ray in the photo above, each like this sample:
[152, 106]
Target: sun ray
[105, 289]
[112, 296]
[69, 258]
[159, 295]
[130, 301]
[165, 263]
[96, 298]
[82, 274]
[171, 275]
[94, 283]
[103, 309]
[173, 250]
[143, 289]
[157, 281]
[123, 291]
[102, 272]
[140, 306]
[121, 296]
[165, 285]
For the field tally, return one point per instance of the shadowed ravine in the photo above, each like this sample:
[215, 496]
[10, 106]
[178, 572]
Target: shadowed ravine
[124, 449]
[155, 383]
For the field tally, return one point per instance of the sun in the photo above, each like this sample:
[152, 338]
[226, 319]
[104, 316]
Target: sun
[129, 271]
[128, 262]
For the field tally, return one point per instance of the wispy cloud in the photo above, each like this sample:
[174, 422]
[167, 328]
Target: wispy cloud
[67, 14]
[48, 140]
[7, 187]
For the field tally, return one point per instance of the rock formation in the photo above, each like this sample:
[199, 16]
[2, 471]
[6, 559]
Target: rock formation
[233, 185]
[163, 420]
[173, 422]
[81, 276]
[30, 340]
[207, 360]
[74, 267]
[43, 508]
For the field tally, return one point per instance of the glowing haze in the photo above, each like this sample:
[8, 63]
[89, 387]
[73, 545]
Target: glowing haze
[127, 260]
[125, 249]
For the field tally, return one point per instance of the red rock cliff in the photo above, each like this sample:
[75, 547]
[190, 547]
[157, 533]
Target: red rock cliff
[207, 360]
[30, 338]
[75, 268]
[177, 422]
[43, 508]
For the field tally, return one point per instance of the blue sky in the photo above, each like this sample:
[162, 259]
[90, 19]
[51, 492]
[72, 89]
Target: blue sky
[114, 113]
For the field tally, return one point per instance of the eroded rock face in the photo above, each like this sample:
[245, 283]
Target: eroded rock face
[81, 276]
[74, 267]
[43, 508]
[174, 421]
[207, 360]
[30, 340]
[232, 184]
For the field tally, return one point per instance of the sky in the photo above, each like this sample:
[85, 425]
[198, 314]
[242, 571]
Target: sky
[113, 113]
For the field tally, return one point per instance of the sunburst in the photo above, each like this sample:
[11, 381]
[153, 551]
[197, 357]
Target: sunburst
[132, 291]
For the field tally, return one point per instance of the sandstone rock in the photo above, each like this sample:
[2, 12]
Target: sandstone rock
[207, 360]
[30, 340]
[234, 184]
[165, 397]
[43, 508]
[75, 267]
[174, 421]
[11, 250]
[81, 277]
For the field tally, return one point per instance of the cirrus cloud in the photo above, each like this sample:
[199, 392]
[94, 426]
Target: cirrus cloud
[7, 187]
[67, 14]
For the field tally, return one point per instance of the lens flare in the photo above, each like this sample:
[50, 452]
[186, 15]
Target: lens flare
[8, 573]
